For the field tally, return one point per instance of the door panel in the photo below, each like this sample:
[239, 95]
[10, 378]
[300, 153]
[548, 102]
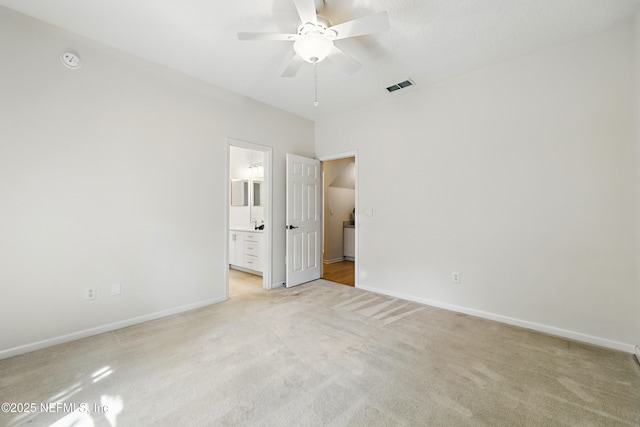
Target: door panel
[304, 220]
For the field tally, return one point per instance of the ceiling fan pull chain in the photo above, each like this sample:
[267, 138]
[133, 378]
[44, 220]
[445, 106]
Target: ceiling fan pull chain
[315, 79]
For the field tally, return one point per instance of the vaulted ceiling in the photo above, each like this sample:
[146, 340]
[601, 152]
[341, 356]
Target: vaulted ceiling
[429, 40]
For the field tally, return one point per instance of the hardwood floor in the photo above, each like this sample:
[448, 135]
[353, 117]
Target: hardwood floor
[340, 272]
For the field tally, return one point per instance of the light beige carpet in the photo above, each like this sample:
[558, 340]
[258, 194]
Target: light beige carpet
[325, 354]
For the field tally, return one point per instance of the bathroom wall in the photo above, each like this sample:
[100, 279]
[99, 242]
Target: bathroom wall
[240, 161]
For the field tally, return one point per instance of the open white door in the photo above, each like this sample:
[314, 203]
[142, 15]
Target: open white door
[304, 220]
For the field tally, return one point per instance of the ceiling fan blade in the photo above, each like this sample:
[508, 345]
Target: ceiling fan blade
[343, 60]
[267, 36]
[307, 11]
[292, 68]
[370, 24]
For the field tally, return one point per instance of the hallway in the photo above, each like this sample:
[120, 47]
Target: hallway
[340, 272]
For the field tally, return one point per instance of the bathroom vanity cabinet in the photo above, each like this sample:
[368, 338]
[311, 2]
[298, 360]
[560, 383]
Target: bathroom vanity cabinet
[245, 251]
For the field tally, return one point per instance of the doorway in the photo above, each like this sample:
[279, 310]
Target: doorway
[248, 224]
[340, 225]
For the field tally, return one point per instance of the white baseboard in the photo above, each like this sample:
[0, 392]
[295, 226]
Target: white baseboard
[333, 261]
[552, 330]
[27, 348]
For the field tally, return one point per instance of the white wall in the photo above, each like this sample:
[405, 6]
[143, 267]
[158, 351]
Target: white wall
[519, 176]
[115, 173]
[637, 126]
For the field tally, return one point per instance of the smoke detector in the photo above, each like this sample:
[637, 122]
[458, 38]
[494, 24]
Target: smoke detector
[71, 60]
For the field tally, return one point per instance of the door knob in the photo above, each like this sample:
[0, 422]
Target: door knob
[291, 227]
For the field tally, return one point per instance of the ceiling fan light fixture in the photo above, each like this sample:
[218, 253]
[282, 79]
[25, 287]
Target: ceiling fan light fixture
[313, 47]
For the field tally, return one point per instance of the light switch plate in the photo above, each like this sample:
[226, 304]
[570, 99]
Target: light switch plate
[115, 289]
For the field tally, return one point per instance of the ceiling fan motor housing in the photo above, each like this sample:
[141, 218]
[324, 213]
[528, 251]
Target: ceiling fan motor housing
[315, 41]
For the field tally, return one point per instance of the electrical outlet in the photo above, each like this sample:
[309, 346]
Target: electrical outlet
[455, 277]
[90, 293]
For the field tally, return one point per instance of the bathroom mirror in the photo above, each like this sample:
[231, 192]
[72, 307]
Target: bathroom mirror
[239, 192]
[256, 193]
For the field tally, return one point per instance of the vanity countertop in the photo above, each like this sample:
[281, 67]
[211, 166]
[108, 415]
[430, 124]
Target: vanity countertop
[245, 229]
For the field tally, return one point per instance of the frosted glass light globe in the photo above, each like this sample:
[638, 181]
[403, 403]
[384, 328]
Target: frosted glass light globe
[313, 47]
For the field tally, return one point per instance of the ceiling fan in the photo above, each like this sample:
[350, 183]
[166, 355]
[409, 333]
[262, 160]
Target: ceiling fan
[314, 39]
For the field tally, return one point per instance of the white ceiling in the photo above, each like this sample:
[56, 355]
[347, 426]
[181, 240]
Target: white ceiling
[429, 40]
